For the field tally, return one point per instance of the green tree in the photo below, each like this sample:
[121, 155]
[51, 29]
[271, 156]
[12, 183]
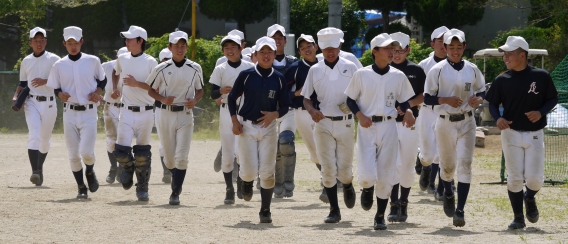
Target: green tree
[309, 16]
[394, 27]
[384, 6]
[432, 14]
[241, 11]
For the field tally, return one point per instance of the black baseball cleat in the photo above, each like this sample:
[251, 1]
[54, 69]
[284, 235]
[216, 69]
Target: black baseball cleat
[449, 205]
[432, 188]
[247, 190]
[531, 209]
[92, 181]
[287, 193]
[438, 197]
[403, 212]
[82, 193]
[367, 198]
[518, 222]
[424, 180]
[142, 196]
[174, 198]
[111, 175]
[323, 196]
[40, 178]
[418, 166]
[230, 196]
[35, 178]
[239, 188]
[349, 196]
[379, 223]
[459, 219]
[265, 216]
[394, 214]
[333, 217]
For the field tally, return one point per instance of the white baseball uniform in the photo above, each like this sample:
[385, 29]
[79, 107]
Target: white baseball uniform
[346, 55]
[111, 107]
[224, 60]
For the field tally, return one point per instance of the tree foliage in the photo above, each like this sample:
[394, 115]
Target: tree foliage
[394, 27]
[432, 14]
[384, 6]
[241, 11]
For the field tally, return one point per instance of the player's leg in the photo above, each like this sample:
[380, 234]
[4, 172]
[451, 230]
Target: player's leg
[88, 136]
[110, 114]
[366, 156]
[325, 149]
[465, 147]
[122, 149]
[166, 173]
[266, 159]
[72, 139]
[228, 153]
[511, 142]
[183, 138]
[33, 120]
[428, 146]
[305, 126]
[288, 151]
[446, 138]
[48, 117]
[248, 156]
[344, 134]
[405, 165]
[386, 171]
[533, 171]
[142, 152]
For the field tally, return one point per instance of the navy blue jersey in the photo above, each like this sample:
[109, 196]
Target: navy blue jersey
[417, 78]
[284, 68]
[296, 75]
[260, 90]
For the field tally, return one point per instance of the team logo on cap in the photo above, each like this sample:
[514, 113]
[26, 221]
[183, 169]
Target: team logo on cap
[533, 88]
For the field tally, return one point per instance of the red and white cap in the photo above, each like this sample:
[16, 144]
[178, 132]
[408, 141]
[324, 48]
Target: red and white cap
[275, 28]
[513, 43]
[134, 32]
[72, 32]
[176, 36]
[233, 38]
[383, 40]
[438, 32]
[122, 50]
[237, 33]
[307, 38]
[401, 38]
[329, 37]
[165, 53]
[265, 41]
[454, 33]
[36, 30]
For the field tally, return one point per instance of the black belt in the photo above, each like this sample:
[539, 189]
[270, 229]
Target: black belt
[224, 105]
[78, 107]
[301, 108]
[42, 98]
[173, 108]
[339, 118]
[456, 117]
[118, 105]
[376, 119]
[254, 122]
[138, 108]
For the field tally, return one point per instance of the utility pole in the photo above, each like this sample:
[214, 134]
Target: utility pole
[284, 21]
[334, 13]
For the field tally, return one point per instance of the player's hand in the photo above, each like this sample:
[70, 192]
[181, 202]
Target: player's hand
[454, 101]
[14, 99]
[267, 119]
[168, 100]
[298, 93]
[225, 89]
[94, 97]
[399, 112]
[503, 123]
[237, 128]
[37, 82]
[474, 101]
[190, 103]
[218, 101]
[533, 116]
[364, 121]
[64, 96]
[409, 119]
[316, 115]
[130, 81]
[115, 94]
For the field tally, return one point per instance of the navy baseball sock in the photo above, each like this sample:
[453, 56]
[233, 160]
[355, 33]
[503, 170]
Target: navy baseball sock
[79, 177]
[42, 157]
[33, 156]
[530, 193]
[516, 199]
[265, 198]
[394, 193]
[381, 207]
[178, 179]
[89, 168]
[448, 191]
[440, 188]
[434, 173]
[112, 159]
[463, 191]
[228, 179]
[404, 192]
[332, 196]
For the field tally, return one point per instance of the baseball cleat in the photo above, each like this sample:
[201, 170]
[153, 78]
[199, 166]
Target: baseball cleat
[438, 197]
[142, 196]
[82, 193]
[349, 196]
[174, 199]
[459, 219]
[424, 180]
[40, 179]
[111, 175]
[449, 205]
[323, 196]
[287, 193]
[432, 188]
[247, 190]
[403, 212]
[35, 178]
[394, 214]
[518, 222]
[230, 196]
[531, 210]
[418, 166]
[333, 217]
[379, 223]
[265, 216]
[367, 198]
[92, 181]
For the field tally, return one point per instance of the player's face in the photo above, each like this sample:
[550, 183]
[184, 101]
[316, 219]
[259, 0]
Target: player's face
[132, 45]
[438, 45]
[515, 60]
[455, 50]
[330, 54]
[399, 54]
[38, 43]
[73, 47]
[384, 54]
[178, 50]
[232, 51]
[280, 42]
[265, 57]
[308, 50]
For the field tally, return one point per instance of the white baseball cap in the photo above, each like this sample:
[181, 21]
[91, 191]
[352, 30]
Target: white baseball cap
[135, 31]
[177, 35]
[265, 41]
[307, 38]
[401, 38]
[275, 28]
[72, 32]
[329, 37]
[454, 33]
[165, 53]
[35, 30]
[122, 50]
[237, 33]
[438, 32]
[253, 49]
[383, 40]
[247, 51]
[513, 43]
[233, 38]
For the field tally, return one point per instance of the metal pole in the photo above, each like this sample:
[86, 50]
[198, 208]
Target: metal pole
[193, 27]
[284, 14]
[334, 13]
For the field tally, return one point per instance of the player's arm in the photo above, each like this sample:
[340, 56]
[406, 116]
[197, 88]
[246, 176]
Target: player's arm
[115, 78]
[551, 97]
[307, 92]
[236, 92]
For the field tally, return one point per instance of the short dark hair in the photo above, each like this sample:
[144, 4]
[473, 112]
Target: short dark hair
[454, 38]
[143, 47]
[170, 44]
[303, 40]
[39, 33]
[375, 48]
[228, 41]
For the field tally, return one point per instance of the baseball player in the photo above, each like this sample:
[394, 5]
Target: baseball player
[111, 112]
[79, 80]
[286, 153]
[136, 115]
[372, 96]
[264, 98]
[527, 95]
[180, 84]
[457, 86]
[406, 136]
[164, 56]
[296, 77]
[346, 55]
[40, 109]
[222, 80]
[242, 44]
[333, 131]
[428, 167]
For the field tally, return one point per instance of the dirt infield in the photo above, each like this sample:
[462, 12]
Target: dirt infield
[51, 213]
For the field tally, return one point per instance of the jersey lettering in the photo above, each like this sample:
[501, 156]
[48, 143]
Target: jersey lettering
[271, 93]
[533, 88]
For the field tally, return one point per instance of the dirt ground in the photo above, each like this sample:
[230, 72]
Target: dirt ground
[51, 213]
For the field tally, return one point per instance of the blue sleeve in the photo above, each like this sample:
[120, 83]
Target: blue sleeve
[548, 105]
[494, 111]
[404, 106]
[430, 100]
[56, 91]
[481, 94]
[284, 101]
[102, 83]
[352, 104]
[235, 93]
[23, 84]
[215, 91]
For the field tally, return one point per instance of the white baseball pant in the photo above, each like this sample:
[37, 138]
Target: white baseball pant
[524, 158]
[334, 149]
[456, 141]
[229, 144]
[406, 160]
[176, 131]
[134, 125]
[80, 129]
[110, 114]
[257, 153]
[306, 126]
[425, 124]
[156, 119]
[40, 117]
[377, 152]
[287, 122]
